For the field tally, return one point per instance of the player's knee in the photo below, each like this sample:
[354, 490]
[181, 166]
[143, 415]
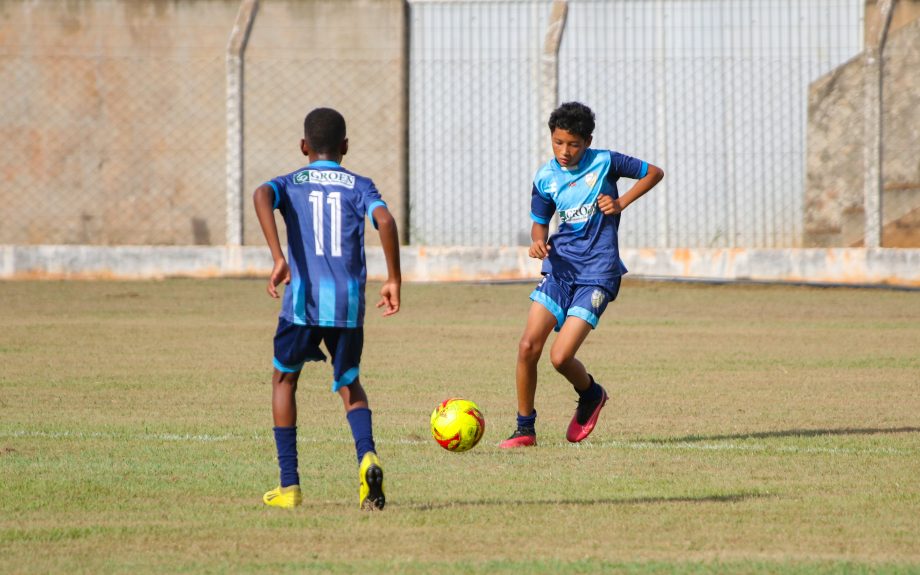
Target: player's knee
[285, 379]
[529, 350]
[559, 359]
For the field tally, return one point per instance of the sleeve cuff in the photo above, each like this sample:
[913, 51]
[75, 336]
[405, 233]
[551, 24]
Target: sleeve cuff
[277, 195]
[538, 219]
[371, 208]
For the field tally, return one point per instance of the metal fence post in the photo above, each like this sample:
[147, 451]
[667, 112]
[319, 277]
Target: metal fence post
[236, 45]
[549, 76]
[661, 125]
[873, 185]
[549, 62]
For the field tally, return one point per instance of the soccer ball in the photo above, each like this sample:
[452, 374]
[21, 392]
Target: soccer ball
[457, 424]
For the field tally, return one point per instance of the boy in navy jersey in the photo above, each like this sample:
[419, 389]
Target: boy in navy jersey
[324, 206]
[581, 262]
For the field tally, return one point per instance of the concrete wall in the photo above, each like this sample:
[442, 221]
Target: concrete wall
[113, 112]
[112, 121]
[905, 12]
[834, 206]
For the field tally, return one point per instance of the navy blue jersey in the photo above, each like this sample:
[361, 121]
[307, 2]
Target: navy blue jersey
[324, 206]
[585, 248]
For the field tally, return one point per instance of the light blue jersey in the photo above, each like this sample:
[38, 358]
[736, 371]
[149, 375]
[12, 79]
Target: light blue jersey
[324, 206]
[585, 249]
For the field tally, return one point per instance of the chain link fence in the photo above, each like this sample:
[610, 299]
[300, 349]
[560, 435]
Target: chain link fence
[844, 117]
[114, 120]
[476, 137]
[714, 92]
[115, 113]
[104, 151]
[112, 123]
[348, 56]
[900, 203]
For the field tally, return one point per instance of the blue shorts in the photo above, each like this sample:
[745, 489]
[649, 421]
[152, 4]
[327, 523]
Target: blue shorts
[296, 344]
[585, 301]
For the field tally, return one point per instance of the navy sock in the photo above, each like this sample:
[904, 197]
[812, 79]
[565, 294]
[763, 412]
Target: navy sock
[593, 393]
[286, 442]
[527, 421]
[362, 430]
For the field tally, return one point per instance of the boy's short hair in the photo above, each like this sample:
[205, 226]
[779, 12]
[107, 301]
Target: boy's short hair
[573, 117]
[324, 130]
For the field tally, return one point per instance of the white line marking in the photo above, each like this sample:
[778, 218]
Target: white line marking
[634, 445]
[756, 447]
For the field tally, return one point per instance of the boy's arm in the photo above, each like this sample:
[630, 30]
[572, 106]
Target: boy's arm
[263, 198]
[609, 205]
[389, 239]
[538, 247]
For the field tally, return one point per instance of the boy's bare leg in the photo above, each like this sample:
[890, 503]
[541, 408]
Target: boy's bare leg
[284, 401]
[590, 400]
[353, 396]
[562, 355]
[540, 322]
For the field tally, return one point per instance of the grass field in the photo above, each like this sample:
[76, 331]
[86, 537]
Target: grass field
[755, 429]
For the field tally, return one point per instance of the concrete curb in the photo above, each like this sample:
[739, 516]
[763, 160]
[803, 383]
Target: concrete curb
[851, 266]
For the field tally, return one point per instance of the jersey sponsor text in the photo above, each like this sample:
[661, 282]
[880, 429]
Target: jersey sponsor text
[579, 214]
[327, 177]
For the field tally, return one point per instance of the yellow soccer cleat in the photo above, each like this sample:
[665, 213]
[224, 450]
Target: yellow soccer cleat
[284, 497]
[371, 474]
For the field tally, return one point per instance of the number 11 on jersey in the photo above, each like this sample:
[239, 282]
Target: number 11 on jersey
[334, 199]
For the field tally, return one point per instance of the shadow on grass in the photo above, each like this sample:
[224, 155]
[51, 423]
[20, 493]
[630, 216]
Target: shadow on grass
[728, 498]
[788, 433]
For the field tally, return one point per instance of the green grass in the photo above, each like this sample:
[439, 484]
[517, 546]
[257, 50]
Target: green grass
[754, 429]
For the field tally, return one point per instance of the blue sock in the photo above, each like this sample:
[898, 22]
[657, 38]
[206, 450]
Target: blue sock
[527, 421]
[286, 442]
[593, 393]
[362, 430]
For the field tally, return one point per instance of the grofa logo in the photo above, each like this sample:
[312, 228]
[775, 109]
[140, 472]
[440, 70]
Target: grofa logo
[597, 298]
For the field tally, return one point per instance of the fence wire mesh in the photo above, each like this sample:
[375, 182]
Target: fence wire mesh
[753, 107]
[844, 118]
[475, 133]
[900, 205]
[104, 151]
[714, 92]
[274, 121]
[299, 59]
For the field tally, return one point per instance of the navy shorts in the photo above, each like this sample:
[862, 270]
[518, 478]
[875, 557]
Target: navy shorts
[585, 301]
[296, 344]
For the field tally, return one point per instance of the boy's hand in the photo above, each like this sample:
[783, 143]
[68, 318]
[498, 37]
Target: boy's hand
[609, 205]
[280, 273]
[389, 297]
[539, 249]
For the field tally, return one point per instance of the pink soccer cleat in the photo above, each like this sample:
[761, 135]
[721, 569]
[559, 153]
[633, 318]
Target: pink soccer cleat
[585, 418]
[520, 438]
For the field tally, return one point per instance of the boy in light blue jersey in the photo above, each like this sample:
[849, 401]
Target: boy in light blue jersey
[581, 262]
[324, 207]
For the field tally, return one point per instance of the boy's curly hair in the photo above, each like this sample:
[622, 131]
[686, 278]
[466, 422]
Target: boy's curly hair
[573, 117]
